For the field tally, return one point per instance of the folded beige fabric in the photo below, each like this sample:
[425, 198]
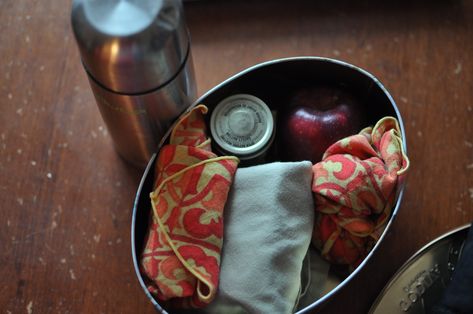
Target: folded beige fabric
[268, 217]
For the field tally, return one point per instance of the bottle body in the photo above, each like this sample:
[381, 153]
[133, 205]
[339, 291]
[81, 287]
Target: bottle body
[137, 57]
[138, 122]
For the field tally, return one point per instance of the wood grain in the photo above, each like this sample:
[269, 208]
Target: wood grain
[67, 197]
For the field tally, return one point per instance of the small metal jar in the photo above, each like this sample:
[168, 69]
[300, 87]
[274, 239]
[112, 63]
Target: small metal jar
[242, 125]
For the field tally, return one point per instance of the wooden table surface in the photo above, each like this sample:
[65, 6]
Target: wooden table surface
[67, 197]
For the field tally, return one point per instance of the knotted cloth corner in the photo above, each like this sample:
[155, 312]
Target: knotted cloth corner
[355, 188]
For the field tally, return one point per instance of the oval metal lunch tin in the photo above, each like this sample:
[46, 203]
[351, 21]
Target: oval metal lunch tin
[267, 82]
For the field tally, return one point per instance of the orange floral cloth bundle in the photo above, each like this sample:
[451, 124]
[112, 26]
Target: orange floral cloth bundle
[182, 251]
[355, 189]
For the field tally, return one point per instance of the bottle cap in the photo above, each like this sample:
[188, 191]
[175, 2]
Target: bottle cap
[131, 46]
[242, 125]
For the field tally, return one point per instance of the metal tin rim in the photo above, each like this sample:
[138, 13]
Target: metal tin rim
[149, 167]
[334, 291]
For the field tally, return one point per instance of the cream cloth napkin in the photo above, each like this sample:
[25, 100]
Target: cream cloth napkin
[268, 219]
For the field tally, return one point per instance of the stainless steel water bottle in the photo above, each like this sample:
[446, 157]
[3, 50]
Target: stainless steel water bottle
[137, 57]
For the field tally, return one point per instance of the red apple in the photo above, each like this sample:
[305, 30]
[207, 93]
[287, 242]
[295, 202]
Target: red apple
[316, 118]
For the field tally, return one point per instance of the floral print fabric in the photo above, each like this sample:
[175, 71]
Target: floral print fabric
[182, 251]
[355, 189]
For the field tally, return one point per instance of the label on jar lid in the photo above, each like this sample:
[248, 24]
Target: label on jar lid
[242, 124]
